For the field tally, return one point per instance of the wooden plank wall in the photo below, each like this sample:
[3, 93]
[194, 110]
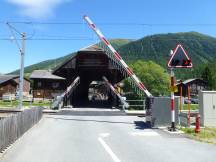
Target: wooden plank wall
[14, 126]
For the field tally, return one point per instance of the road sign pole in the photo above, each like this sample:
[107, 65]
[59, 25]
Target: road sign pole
[181, 84]
[181, 102]
[189, 102]
[172, 128]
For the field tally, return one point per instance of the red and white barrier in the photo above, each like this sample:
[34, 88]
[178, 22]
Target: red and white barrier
[70, 87]
[116, 92]
[172, 128]
[118, 57]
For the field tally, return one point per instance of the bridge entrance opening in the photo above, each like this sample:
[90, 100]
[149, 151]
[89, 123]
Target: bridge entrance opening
[97, 91]
[95, 94]
[98, 95]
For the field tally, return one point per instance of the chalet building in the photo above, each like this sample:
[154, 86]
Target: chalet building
[9, 84]
[195, 84]
[46, 85]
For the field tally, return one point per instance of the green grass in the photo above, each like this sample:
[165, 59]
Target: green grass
[192, 107]
[206, 134]
[8, 104]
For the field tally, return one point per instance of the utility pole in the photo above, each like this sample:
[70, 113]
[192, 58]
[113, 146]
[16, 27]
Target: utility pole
[21, 82]
[22, 53]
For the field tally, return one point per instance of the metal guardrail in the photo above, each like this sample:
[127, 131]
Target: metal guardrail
[15, 125]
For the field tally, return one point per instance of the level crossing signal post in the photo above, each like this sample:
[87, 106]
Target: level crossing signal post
[179, 59]
[172, 78]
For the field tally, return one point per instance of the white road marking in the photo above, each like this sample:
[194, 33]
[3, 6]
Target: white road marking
[145, 133]
[104, 135]
[108, 149]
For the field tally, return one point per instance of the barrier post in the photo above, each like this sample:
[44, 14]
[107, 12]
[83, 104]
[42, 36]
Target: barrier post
[189, 102]
[172, 128]
[180, 102]
[197, 129]
[181, 84]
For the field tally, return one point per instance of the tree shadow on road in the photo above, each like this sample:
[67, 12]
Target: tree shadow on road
[142, 125]
[90, 120]
[137, 124]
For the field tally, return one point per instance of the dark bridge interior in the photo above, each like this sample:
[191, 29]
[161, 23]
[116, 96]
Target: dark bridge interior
[90, 64]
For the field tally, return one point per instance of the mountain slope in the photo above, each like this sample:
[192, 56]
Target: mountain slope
[48, 64]
[201, 48]
[52, 63]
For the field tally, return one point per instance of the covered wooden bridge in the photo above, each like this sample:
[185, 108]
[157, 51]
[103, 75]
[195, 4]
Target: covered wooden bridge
[90, 65]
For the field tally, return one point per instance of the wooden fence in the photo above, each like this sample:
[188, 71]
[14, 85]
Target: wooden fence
[15, 125]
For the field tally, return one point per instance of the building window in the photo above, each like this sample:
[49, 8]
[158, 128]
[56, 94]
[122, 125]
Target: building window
[55, 85]
[39, 84]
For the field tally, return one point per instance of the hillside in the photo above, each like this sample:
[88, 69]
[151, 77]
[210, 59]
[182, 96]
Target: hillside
[52, 63]
[48, 64]
[200, 47]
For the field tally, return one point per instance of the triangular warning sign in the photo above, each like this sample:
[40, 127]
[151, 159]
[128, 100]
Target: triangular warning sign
[180, 58]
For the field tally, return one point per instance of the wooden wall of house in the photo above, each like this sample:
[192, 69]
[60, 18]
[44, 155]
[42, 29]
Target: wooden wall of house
[195, 87]
[46, 94]
[8, 87]
[26, 85]
[46, 89]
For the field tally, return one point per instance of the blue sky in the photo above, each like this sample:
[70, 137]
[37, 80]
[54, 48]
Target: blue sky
[188, 12]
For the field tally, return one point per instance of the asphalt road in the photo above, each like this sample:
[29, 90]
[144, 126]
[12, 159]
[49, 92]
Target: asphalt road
[101, 138]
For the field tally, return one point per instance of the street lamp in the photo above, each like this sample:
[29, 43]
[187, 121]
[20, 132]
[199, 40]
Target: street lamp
[22, 52]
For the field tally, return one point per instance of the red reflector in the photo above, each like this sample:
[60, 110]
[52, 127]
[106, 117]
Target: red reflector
[142, 85]
[130, 71]
[118, 56]
[172, 105]
[106, 41]
[93, 25]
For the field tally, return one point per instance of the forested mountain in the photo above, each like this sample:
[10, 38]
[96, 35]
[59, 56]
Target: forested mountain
[201, 48]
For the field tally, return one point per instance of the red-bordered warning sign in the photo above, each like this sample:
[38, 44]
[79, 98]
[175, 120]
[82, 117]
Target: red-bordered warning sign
[180, 58]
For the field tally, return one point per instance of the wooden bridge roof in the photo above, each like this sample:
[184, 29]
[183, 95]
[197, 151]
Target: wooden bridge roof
[91, 61]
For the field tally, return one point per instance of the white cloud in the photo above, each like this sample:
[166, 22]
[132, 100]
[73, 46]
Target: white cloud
[37, 8]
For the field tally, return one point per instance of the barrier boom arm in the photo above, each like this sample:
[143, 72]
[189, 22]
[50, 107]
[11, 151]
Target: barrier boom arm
[71, 86]
[115, 91]
[117, 56]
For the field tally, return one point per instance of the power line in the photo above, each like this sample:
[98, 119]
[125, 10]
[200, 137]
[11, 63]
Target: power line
[112, 23]
[151, 39]
[54, 39]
